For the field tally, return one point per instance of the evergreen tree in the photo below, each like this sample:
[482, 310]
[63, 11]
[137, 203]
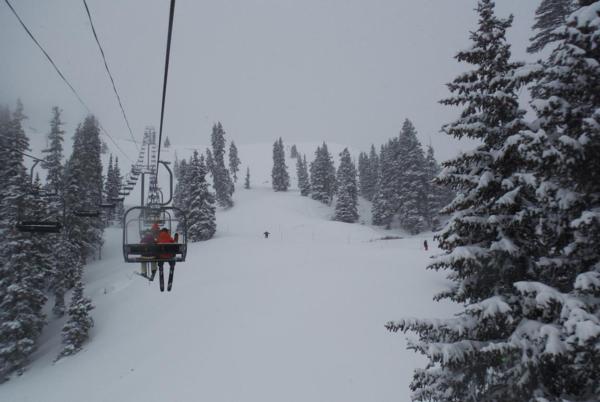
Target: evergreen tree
[201, 209]
[385, 200]
[550, 15]
[176, 165]
[563, 290]
[294, 152]
[279, 175]
[302, 173]
[364, 172]
[412, 180]
[53, 160]
[247, 180]
[67, 259]
[180, 194]
[347, 190]
[234, 161]
[54, 184]
[373, 174]
[368, 172]
[437, 196]
[108, 186]
[167, 143]
[83, 187]
[222, 181]
[22, 278]
[210, 163]
[322, 176]
[116, 186]
[77, 328]
[482, 353]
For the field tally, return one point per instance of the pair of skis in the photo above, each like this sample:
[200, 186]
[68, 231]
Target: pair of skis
[161, 278]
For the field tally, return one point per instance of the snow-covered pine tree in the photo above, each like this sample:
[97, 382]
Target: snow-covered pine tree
[322, 176]
[373, 174]
[108, 184]
[234, 161]
[302, 173]
[550, 15]
[176, 165]
[53, 162]
[83, 187]
[412, 184]
[21, 280]
[42, 255]
[280, 178]
[77, 328]
[363, 173]
[488, 244]
[210, 163]
[221, 179]
[385, 200]
[247, 179]
[561, 298]
[294, 152]
[180, 194]
[68, 259]
[167, 143]
[437, 196]
[201, 210]
[347, 190]
[116, 186]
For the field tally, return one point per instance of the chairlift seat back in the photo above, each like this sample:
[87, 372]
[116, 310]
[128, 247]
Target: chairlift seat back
[39, 227]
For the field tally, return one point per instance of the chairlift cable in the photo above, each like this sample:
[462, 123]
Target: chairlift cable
[62, 75]
[109, 73]
[164, 94]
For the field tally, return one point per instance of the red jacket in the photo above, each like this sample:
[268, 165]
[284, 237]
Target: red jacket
[165, 237]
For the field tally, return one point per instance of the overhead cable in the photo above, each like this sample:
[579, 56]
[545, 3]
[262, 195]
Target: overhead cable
[62, 76]
[164, 94]
[109, 73]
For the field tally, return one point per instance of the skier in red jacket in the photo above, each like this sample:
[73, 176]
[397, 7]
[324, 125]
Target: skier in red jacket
[164, 237]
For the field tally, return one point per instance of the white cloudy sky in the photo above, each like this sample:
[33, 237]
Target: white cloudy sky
[345, 71]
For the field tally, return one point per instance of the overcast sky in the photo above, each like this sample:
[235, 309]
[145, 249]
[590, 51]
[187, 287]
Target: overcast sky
[344, 71]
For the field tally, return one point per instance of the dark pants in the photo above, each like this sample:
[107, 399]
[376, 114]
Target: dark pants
[161, 264]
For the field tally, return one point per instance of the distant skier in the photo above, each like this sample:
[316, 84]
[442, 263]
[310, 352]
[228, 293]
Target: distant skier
[425, 245]
[164, 237]
[267, 235]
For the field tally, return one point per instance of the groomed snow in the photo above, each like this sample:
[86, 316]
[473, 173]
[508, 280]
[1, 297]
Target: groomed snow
[296, 317]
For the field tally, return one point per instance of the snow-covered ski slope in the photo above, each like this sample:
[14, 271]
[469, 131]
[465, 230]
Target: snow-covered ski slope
[296, 317]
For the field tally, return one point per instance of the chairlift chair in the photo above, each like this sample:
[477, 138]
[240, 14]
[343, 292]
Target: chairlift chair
[135, 251]
[35, 224]
[39, 226]
[90, 213]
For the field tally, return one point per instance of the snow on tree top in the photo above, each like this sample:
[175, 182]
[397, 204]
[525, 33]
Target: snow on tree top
[589, 15]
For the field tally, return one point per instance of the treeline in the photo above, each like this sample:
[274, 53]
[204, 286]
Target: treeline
[36, 267]
[522, 247]
[399, 180]
[192, 192]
